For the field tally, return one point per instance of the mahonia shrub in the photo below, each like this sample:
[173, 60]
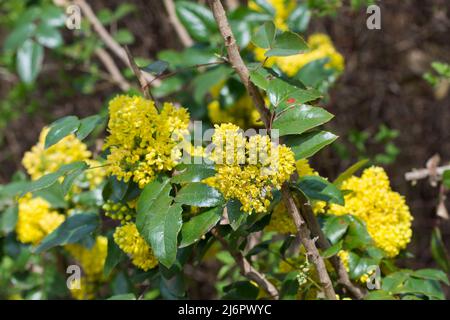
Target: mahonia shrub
[134, 199]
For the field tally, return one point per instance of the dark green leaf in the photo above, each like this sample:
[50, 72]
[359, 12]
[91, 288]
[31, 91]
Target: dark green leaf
[298, 119]
[335, 227]
[197, 19]
[74, 229]
[52, 16]
[235, 216]
[309, 143]
[315, 73]
[196, 227]
[113, 257]
[357, 235]
[157, 67]
[283, 95]
[60, 129]
[204, 82]
[317, 188]
[438, 250]
[194, 173]
[332, 251]
[241, 290]
[299, 19]
[29, 60]
[431, 274]
[87, 125]
[446, 178]
[18, 36]
[8, 219]
[200, 195]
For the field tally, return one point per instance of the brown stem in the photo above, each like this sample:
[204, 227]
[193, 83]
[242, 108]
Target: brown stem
[241, 69]
[246, 268]
[324, 244]
[179, 29]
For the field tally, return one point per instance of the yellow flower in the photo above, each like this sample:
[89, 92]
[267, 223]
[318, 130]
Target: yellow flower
[40, 161]
[384, 211]
[320, 47]
[82, 289]
[131, 242]
[119, 211]
[36, 219]
[248, 170]
[96, 173]
[142, 141]
[344, 256]
[92, 260]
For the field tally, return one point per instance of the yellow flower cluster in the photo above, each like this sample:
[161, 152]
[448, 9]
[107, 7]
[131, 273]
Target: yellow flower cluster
[281, 221]
[320, 47]
[36, 219]
[283, 9]
[242, 113]
[91, 259]
[40, 161]
[131, 242]
[248, 170]
[143, 141]
[384, 211]
[119, 211]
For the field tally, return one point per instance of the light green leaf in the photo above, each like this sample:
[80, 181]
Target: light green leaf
[264, 37]
[18, 36]
[200, 195]
[349, 172]
[439, 251]
[431, 274]
[73, 229]
[157, 67]
[299, 18]
[60, 129]
[197, 19]
[87, 125]
[125, 296]
[298, 119]
[8, 219]
[309, 143]
[48, 36]
[29, 60]
[333, 250]
[199, 225]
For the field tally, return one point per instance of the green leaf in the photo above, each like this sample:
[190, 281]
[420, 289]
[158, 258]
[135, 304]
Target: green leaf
[113, 257]
[194, 173]
[283, 95]
[52, 16]
[378, 295]
[315, 73]
[123, 36]
[265, 6]
[357, 235]
[241, 290]
[335, 227]
[264, 37]
[349, 172]
[287, 44]
[196, 227]
[197, 19]
[87, 125]
[200, 195]
[204, 82]
[446, 178]
[73, 229]
[8, 219]
[124, 296]
[60, 129]
[309, 143]
[18, 36]
[54, 195]
[333, 250]
[298, 119]
[429, 288]
[299, 19]
[70, 179]
[438, 250]
[158, 221]
[151, 192]
[157, 67]
[236, 216]
[431, 274]
[48, 180]
[317, 188]
[48, 36]
[29, 60]
[394, 280]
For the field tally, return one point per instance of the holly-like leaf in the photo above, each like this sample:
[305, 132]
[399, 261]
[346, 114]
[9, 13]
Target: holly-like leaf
[200, 195]
[264, 37]
[309, 143]
[317, 188]
[29, 60]
[87, 125]
[157, 67]
[72, 230]
[287, 44]
[298, 119]
[194, 173]
[60, 129]
[199, 225]
[236, 216]
[197, 19]
[335, 227]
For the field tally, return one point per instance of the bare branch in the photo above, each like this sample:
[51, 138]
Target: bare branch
[419, 174]
[179, 29]
[111, 67]
[246, 268]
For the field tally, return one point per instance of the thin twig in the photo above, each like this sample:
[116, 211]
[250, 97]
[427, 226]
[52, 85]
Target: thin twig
[419, 174]
[107, 38]
[241, 69]
[247, 270]
[139, 75]
[179, 29]
[112, 69]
